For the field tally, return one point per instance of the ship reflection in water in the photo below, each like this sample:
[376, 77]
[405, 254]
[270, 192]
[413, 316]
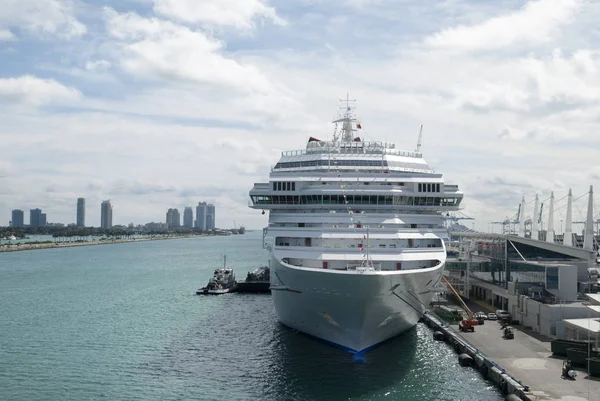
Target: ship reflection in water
[313, 370]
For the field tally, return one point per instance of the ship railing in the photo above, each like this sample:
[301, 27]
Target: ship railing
[361, 267]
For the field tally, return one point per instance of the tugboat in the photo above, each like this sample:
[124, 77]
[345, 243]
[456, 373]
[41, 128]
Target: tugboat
[256, 281]
[222, 282]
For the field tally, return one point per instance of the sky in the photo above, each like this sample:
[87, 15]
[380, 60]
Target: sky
[156, 104]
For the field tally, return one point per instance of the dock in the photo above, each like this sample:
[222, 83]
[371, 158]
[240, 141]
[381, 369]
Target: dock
[523, 366]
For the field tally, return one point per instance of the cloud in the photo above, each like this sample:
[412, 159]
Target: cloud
[6, 168]
[537, 132]
[42, 17]
[31, 90]
[97, 65]
[234, 13]
[135, 187]
[536, 22]
[6, 35]
[182, 106]
[166, 51]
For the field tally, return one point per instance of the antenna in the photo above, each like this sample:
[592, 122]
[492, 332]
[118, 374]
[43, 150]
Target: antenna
[346, 118]
[418, 149]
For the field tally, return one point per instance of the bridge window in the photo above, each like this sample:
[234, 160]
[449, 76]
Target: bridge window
[284, 186]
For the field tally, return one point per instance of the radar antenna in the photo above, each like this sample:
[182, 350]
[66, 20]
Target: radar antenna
[418, 149]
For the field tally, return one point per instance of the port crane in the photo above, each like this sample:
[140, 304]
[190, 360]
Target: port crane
[470, 322]
[450, 219]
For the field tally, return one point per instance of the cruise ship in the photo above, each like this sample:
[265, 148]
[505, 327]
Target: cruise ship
[355, 236]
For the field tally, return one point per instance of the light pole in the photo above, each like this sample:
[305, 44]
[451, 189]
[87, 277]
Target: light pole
[561, 231]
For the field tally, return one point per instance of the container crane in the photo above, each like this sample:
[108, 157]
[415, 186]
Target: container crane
[450, 219]
[420, 141]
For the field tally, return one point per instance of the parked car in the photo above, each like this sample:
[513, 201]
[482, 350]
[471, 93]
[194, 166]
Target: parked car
[492, 316]
[503, 315]
[480, 317]
[481, 314]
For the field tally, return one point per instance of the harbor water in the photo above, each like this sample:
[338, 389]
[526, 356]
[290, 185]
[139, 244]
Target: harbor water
[122, 322]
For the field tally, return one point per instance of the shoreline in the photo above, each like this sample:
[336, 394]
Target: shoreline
[50, 245]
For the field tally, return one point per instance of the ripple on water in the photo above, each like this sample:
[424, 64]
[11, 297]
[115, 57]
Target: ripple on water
[122, 322]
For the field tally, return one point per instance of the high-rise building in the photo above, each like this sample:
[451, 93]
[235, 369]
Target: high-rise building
[188, 217]
[80, 212]
[173, 218]
[18, 218]
[106, 214]
[37, 218]
[201, 211]
[210, 217]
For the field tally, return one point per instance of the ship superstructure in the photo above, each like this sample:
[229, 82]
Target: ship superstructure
[355, 235]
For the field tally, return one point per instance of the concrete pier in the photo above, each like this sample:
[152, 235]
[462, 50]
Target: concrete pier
[523, 366]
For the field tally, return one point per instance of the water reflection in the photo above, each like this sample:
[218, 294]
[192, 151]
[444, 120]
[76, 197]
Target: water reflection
[308, 369]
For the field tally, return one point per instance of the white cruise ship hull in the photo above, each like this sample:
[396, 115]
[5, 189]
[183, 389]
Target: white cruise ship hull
[355, 311]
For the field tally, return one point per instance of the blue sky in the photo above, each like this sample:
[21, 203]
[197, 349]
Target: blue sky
[164, 103]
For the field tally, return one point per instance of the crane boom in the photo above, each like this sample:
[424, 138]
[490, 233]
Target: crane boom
[420, 139]
[464, 305]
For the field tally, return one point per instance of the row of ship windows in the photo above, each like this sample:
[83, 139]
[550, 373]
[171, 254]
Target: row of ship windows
[353, 200]
[432, 187]
[315, 163]
[307, 242]
[339, 246]
[358, 225]
[284, 186]
[355, 183]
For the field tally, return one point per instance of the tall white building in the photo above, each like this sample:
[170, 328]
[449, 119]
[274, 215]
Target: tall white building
[173, 218]
[210, 217]
[106, 214]
[188, 217]
[80, 212]
[201, 210]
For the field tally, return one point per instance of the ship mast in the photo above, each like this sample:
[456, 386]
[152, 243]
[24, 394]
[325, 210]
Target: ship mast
[347, 117]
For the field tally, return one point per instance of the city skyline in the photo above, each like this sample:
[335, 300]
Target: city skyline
[509, 94]
[173, 217]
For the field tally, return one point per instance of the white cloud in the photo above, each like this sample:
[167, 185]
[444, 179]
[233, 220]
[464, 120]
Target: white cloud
[510, 121]
[42, 17]
[236, 13]
[6, 35]
[536, 22]
[97, 65]
[167, 51]
[31, 90]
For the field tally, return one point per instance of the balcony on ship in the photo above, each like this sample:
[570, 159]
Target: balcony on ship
[353, 264]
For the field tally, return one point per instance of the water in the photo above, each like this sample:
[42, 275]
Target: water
[122, 322]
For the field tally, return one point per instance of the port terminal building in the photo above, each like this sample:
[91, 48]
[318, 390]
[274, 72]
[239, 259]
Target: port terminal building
[547, 282]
